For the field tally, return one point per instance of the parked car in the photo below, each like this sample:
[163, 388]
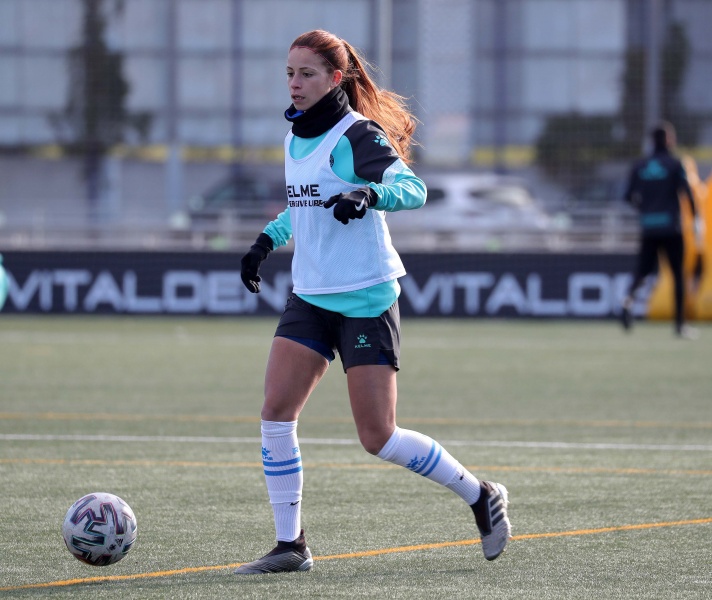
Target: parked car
[462, 210]
[474, 202]
[252, 193]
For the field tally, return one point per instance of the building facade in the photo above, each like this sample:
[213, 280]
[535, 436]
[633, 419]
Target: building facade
[483, 76]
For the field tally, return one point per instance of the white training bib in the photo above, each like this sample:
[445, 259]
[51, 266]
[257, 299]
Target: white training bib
[330, 257]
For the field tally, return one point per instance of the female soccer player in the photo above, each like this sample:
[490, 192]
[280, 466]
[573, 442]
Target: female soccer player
[345, 167]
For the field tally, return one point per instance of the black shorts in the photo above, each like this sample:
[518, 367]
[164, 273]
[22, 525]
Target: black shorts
[359, 341]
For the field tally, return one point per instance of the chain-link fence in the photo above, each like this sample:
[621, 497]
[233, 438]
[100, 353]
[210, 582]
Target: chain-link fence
[152, 122]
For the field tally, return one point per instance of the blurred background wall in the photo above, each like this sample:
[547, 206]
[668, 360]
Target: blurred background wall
[119, 111]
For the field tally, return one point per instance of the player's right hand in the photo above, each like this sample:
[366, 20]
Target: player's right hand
[251, 262]
[698, 226]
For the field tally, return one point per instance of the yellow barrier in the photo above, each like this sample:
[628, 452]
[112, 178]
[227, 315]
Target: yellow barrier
[698, 292]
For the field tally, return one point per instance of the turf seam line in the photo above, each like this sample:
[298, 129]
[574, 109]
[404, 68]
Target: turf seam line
[58, 416]
[334, 465]
[349, 442]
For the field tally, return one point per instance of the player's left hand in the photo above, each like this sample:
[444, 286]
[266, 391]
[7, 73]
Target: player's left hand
[698, 227]
[352, 205]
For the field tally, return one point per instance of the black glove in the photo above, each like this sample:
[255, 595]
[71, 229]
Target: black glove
[253, 259]
[352, 205]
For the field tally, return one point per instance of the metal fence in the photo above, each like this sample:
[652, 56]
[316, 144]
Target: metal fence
[116, 114]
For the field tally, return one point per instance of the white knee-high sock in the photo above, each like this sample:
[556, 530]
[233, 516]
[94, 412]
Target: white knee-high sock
[423, 455]
[282, 462]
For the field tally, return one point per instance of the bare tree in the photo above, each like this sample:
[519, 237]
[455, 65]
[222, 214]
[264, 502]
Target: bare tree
[95, 117]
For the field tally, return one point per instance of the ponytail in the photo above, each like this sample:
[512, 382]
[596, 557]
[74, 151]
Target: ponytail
[387, 108]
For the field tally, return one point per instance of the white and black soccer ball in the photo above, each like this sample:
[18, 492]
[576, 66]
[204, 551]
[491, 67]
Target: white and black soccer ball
[99, 529]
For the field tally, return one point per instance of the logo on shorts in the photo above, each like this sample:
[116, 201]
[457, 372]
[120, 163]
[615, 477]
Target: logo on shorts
[361, 341]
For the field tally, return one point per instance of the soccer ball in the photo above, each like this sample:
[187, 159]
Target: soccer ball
[99, 529]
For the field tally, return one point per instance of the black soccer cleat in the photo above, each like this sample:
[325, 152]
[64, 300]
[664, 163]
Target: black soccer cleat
[491, 518]
[626, 316]
[286, 557]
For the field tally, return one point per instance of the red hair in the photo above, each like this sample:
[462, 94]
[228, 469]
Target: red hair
[387, 108]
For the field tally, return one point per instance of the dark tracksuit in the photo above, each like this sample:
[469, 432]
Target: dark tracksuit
[653, 187]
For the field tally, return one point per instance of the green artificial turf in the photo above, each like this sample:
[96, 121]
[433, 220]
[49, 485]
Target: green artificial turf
[604, 440]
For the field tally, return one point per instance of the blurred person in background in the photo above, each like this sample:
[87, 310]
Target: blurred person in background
[654, 186]
[345, 166]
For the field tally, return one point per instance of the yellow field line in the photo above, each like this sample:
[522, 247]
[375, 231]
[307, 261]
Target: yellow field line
[526, 536]
[324, 465]
[56, 416]
[362, 554]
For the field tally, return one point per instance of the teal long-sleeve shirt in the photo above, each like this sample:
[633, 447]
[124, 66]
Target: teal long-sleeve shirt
[361, 156]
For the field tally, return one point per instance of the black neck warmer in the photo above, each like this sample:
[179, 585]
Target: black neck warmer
[321, 117]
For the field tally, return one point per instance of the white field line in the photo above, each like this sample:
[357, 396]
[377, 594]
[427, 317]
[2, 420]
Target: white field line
[347, 442]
